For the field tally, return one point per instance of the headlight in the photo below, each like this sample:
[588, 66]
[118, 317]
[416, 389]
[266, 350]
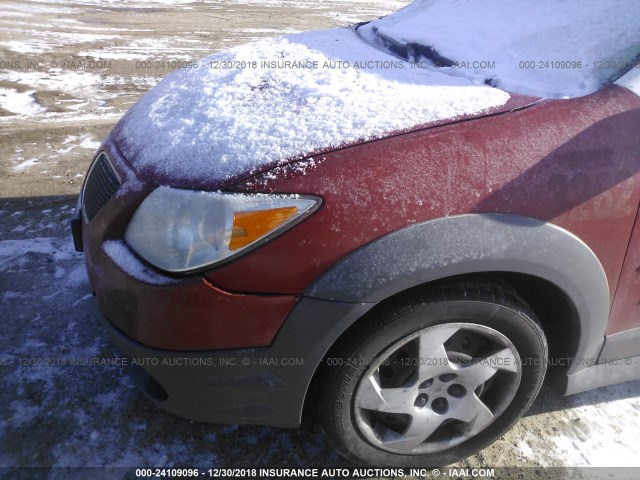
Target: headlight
[184, 230]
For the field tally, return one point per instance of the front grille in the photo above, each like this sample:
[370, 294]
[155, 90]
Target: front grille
[102, 182]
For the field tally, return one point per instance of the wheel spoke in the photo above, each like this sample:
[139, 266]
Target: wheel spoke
[482, 370]
[474, 412]
[503, 360]
[390, 400]
[422, 425]
[431, 350]
[483, 418]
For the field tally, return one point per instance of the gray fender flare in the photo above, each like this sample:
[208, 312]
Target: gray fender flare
[473, 243]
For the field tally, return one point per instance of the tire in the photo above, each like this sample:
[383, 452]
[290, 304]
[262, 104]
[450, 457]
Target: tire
[433, 377]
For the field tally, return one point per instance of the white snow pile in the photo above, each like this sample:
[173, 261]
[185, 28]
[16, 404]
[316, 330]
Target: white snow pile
[120, 254]
[12, 252]
[549, 48]
[20, 103]
[278, 99]
[601, 429]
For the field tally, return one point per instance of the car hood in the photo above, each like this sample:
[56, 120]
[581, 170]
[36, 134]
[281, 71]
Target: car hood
[253, 107]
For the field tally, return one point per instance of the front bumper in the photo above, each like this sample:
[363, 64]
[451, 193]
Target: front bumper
[190, 314]
[263, 386]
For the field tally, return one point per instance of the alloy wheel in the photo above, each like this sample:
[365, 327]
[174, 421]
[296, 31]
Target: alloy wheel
[436, 388]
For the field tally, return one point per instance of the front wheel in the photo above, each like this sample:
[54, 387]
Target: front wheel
[436, 378]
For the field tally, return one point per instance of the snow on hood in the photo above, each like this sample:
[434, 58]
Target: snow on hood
[245, 108]
[546, 48]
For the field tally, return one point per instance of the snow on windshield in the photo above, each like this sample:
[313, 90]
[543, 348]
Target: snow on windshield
[549, 48]
[276, 99]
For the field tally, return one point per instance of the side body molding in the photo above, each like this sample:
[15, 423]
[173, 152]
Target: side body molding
[474, 243]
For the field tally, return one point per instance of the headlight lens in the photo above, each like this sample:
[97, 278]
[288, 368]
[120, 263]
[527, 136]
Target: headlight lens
[184, 230]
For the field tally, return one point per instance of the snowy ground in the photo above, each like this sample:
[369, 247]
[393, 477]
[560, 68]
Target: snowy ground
[53, 112]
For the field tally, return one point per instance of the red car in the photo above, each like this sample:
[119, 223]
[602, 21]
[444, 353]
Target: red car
[399, 224]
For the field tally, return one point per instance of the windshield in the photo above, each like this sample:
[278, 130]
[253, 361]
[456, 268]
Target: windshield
[547, 48]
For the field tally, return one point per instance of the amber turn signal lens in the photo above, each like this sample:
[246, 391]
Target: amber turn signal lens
[250, 226]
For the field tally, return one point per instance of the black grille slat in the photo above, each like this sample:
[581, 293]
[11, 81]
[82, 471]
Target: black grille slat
[102, 183]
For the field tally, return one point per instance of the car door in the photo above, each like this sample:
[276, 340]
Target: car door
[623, 332]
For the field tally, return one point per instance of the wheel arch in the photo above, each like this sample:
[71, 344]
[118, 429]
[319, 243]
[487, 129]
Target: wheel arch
[556, 273]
